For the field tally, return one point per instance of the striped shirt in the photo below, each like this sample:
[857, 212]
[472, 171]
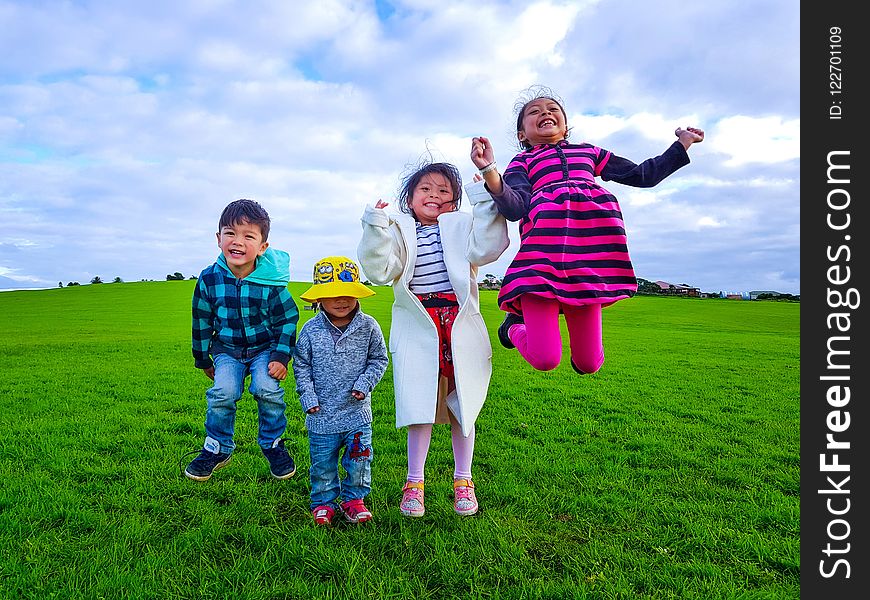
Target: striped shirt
[573, 246]
[430, 272]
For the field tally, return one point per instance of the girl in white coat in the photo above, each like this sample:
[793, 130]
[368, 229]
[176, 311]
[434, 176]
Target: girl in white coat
[430, 253]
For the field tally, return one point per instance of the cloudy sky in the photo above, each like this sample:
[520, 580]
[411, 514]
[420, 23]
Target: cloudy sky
[127, 126]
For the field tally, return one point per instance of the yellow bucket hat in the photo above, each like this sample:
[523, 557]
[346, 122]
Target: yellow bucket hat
[336, 276]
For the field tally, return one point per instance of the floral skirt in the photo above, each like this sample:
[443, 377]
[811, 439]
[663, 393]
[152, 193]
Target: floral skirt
[442, 308]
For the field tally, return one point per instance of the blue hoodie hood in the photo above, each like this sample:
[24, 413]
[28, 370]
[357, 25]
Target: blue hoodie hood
[273, 268]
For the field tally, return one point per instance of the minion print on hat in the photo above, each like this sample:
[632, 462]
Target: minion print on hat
[336, 276]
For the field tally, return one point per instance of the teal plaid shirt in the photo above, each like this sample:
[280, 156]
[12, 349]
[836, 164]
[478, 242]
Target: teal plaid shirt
[241, 318]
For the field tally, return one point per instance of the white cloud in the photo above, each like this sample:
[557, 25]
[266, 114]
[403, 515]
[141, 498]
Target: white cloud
[756, 139]
[541, 26]
[708, 222]
[595, 127]
[640, 198]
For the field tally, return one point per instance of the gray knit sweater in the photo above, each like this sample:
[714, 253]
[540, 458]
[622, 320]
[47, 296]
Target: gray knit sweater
[327, 370]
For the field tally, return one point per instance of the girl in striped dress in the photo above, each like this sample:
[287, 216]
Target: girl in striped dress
[573, 257]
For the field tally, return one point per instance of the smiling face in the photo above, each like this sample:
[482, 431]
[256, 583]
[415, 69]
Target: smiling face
[432, 196]
[339, 309]
[543, 122]
[241, 243]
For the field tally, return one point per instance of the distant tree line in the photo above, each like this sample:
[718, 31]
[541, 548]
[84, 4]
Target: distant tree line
[178, 277]
[97, 279]
[777, 296]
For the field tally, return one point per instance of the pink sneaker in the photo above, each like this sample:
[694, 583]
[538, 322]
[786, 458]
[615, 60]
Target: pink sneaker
[464, 502]
[355, 511]
[412, 499]
[323, 515]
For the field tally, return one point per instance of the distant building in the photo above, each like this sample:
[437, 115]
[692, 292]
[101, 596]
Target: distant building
[678, 289]
[490, 282]
[753, 295]
[735, 295]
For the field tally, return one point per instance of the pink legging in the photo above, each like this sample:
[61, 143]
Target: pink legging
[419, 437]
[539, 340]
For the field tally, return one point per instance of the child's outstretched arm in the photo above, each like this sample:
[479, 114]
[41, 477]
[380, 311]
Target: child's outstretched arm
[489, 235]
[511, 197]
[381, 255]
[653, 170]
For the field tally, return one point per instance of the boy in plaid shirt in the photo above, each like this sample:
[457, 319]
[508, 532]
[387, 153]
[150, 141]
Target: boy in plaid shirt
[244, 322]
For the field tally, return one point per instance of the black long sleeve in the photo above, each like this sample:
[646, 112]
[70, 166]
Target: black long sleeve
[648, 173]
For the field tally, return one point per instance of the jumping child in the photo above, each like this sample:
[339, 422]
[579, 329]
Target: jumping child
[244, 323]
[573, 258]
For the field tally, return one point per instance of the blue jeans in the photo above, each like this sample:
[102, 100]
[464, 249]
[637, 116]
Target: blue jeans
[229, 383]
[356, 460]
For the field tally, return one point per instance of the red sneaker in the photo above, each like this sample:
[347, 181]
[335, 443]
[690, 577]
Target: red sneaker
[355, 511]
[323, 515]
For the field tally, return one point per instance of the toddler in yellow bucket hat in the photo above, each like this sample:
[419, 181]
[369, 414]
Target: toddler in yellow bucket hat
[334, 277]
[339, 359]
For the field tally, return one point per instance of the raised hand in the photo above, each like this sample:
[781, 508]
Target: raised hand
[481, 152]
[689, 136]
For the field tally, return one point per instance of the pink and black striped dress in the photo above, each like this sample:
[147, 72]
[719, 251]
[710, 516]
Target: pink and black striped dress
[572, 239]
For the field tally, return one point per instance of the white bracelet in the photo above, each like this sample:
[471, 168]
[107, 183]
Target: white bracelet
[490, 167]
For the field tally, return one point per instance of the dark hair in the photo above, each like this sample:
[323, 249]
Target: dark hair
[529, 95]
[448, 171]
[245, 211]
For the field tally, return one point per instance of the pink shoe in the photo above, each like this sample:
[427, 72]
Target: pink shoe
[323, 515]
[355, 511]
[412, 499]
[465, 502]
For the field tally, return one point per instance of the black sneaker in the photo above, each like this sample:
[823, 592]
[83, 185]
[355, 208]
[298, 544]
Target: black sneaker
[577, 369]
[201, 467]
[510, 320]
[280, 464]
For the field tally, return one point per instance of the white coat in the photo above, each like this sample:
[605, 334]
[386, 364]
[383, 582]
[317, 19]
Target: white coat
[387, 254]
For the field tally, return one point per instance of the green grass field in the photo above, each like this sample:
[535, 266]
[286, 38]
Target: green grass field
[673, 473]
